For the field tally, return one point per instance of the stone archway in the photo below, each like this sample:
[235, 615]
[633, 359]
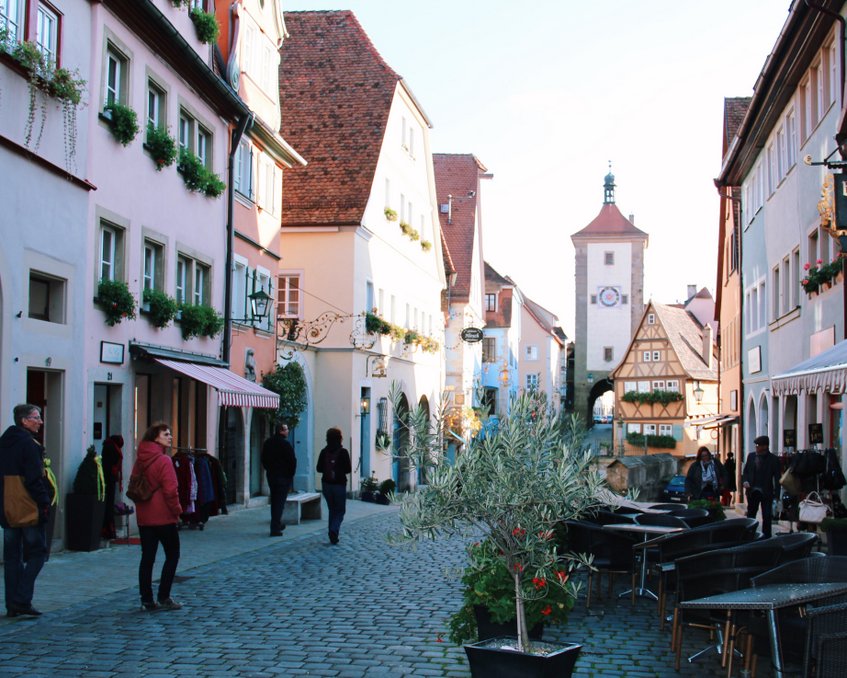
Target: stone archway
[751, 425]
[603, 386]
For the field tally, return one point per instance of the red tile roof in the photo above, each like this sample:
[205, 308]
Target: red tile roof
[734, 110]
[335, 96]
[458, 175]
[609, 222]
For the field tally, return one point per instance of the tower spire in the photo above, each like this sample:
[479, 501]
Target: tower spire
[609, 187]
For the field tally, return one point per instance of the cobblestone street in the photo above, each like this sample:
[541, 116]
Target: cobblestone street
[298, 606]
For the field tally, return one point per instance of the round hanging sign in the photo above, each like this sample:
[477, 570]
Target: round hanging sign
[471, 335]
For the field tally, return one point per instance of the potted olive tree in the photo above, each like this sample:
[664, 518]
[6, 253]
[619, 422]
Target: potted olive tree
[512, 486]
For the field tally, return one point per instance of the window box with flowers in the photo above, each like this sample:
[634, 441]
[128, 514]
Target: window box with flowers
[123, 122]
[390, 214]
[197, 176]
[161, 146]
[116, 301]
[199, 320]
[821, 275]
[160, 308]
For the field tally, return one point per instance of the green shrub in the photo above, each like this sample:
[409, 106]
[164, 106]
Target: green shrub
[650, 397]
[161, 146]
[200, 320]
[205, 24]
[122, 121]
[637, 440]
[116, 301]
[162, 308]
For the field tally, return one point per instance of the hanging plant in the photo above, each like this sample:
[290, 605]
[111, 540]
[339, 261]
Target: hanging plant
[58, 83]
[205, 24]
[200, 320]
[426, 245]
[122, 121]
[213, 186]
[116, 301]
[390, 214]
[161, 309]
[161, 146]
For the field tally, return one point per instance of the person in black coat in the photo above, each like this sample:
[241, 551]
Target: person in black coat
[334, 464]
[280, 464]
[760, 480]
[112, 458]
[24, 509]
[705, 477]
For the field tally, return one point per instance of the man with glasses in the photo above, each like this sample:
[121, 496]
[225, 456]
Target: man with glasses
[24, 509]
[280, 464]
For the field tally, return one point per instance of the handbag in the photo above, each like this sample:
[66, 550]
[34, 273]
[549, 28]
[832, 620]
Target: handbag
[139, 488]
[812, 509]
[19, 507]
[792, 484]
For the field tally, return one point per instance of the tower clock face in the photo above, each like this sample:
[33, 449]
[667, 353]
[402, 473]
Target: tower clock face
[609, 296]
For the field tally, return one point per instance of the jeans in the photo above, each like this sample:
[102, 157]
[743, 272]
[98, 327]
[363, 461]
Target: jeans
[336, 502]
[151, 536]
[754, 499]
[24, 553]
[279, 491]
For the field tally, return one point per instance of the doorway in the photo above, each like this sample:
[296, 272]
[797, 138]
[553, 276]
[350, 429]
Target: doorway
[232, 452]
[258, 434]
[45, 388]
[107, 412]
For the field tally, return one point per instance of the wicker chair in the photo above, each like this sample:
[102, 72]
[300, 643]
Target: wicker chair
[826, 641]
[693, 517]
[660, 519]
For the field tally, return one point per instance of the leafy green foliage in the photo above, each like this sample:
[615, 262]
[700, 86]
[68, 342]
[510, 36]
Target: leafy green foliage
[161, 146]
[513, 486]
[162, 308]
[200, 320]
[116, 301]
[197, 176]
[205, 24]
[716, 512]
[122, 121]
[390, 214]
[820, 274]
[289, 382]
[650, 397]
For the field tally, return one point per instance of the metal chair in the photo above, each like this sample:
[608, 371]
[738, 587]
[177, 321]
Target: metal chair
[694, 517]
[666, 507]
[611, 552]
[826, 641]
[660, 519]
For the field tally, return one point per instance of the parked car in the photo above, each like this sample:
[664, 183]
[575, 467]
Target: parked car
[675, 490]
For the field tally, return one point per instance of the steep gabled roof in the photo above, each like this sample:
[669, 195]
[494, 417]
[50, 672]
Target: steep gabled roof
[335, 97]
[734, 110]
[494, 277]
[609, 223]
[457, 175]
[686, 336]
[547, 320]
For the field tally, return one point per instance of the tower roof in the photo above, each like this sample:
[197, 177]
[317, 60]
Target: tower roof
[610, 222]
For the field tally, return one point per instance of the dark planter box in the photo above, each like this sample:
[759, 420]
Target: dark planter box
[836, 542]
[487, 628]
[84, 522]
[367, 496]
[488, 661]
[380, 498]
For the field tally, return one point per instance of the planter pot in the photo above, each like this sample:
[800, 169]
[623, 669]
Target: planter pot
[488, 628]
[836, 542]
[84, 522]
[380, 498]
[367, 496]
[488, 660]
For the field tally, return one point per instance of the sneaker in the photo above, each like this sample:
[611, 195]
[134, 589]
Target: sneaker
[169, 604]
[149, 607]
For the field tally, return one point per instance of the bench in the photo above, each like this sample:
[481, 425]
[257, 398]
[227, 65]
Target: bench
[301, 506]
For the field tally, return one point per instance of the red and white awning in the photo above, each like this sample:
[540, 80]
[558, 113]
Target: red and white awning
[825, 372]
[233, 391]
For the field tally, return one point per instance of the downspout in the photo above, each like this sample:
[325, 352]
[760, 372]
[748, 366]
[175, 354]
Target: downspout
[243, 125]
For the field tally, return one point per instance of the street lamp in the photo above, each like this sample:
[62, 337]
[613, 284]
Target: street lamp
[260, 307]
[698, 392]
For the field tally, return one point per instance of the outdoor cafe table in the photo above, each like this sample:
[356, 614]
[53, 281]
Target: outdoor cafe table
[646, 530]
[769, 598]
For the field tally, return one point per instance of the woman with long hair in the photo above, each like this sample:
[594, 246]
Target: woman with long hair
[334, 465]
[158, 517]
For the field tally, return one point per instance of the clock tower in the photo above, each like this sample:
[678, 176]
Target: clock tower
[609, 297]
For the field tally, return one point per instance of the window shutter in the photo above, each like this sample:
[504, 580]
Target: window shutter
[677, 432]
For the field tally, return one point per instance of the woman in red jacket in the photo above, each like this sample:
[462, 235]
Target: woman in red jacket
[157, 517]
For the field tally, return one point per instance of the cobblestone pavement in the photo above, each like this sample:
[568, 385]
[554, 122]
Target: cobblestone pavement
[298, 606]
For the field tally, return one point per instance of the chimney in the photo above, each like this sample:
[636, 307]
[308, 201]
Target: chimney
[632, 219]
[692, 290]
[708, 356]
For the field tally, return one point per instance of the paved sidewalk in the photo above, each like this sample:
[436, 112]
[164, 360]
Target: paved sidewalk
[71, 577]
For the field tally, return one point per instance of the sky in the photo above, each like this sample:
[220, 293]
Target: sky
[546, 92]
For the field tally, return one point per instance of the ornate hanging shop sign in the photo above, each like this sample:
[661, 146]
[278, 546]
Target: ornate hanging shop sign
[471, 335]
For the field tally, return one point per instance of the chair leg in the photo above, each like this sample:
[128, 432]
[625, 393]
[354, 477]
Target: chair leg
[755, 665]
[661, 603]
[633, 588]
[678, 655]
[674, 629]
[748, 653]
[588, 593]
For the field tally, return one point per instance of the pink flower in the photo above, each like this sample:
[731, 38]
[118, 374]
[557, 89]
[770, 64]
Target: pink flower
[819, 262]
[806, 266]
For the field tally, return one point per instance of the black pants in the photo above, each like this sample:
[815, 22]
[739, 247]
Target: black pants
[754, 499]
[151, 537]
[279, 488]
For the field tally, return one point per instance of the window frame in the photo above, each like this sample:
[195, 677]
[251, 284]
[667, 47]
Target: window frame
[55, 297]
[284, 293]
[159, 105]
[491, 302]
[115, 92]
[115, 251]
[156, 276]
[51, 52]
[489, 350]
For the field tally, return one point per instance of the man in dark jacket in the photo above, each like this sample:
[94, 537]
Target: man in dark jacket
[280, 464]
[24, 509]
[760, 479]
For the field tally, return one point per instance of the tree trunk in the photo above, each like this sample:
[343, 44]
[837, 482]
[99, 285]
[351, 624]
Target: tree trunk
[520, 615]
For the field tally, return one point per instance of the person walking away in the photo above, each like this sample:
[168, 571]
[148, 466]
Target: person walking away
[112, 459]
[24, 509]
[729, 485]
[280, 464]
[157, 517]
[334, 465]
[760, 479]
[704, 477]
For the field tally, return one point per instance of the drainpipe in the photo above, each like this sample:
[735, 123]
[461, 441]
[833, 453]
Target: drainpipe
[243, 125]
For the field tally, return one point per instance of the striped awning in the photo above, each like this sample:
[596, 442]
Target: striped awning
[825, 372]
[233, 391]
